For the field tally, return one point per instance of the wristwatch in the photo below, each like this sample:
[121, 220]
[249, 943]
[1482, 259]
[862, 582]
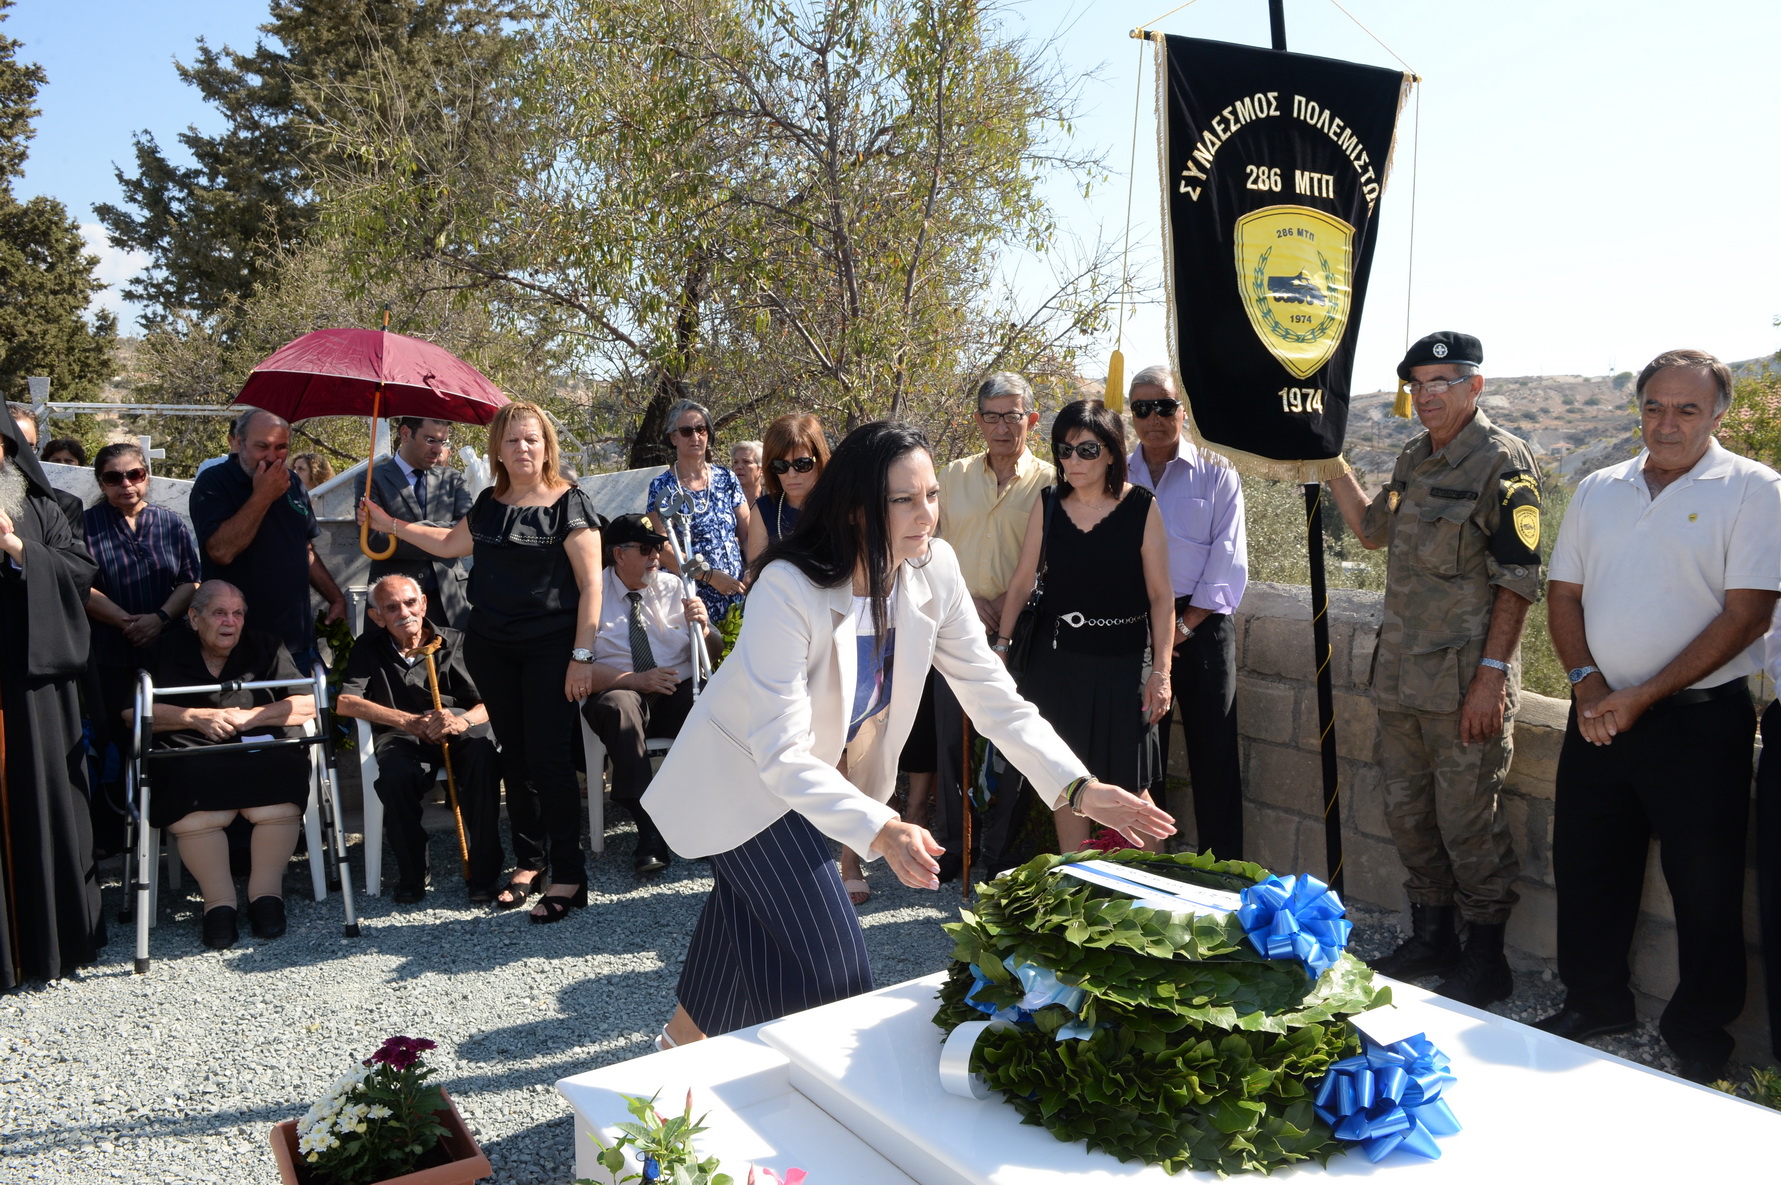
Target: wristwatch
[1495, 664]
[1182, 628]
[162, 614]
[581, 654]
[1579, 674]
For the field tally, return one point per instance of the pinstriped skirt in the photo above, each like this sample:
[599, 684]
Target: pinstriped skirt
[776, 936]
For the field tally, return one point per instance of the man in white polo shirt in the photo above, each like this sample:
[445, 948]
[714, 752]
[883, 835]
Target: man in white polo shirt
[1663, 580]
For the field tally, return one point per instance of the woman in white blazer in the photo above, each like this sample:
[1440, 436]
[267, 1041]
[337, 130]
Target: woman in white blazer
[797, 737]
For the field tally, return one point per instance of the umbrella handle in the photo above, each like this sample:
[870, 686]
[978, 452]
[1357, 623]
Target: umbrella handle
[370, 458]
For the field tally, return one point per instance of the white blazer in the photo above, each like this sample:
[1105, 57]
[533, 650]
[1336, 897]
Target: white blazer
[768, 730]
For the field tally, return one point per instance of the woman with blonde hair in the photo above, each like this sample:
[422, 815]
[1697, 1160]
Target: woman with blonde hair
[534, 610]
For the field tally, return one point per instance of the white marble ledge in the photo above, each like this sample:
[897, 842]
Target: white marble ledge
[1535, 1108]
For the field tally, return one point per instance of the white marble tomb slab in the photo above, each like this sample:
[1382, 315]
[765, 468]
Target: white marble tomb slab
[1535, 1107]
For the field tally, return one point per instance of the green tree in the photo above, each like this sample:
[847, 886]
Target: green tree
[46, 274]
[1753, 425]
[768, 203]
[213, 229]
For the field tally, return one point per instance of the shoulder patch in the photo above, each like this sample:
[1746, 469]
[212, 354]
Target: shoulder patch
[1516, 540]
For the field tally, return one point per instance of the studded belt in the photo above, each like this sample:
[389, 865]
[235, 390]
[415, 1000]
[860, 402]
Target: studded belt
[1081, 621]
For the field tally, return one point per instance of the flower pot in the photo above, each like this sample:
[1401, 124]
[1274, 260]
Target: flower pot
[467, 1162]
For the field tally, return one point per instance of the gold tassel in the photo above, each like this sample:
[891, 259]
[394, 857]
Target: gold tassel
[1400, 407]
[1115, 395]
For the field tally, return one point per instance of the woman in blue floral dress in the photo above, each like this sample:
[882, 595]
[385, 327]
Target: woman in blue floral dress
[719, 507]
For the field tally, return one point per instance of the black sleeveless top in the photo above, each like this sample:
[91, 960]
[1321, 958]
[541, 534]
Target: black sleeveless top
[1099, 574]
[522, 586]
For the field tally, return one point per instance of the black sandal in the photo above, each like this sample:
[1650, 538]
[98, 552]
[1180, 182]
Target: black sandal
[557, 907]
[514, 893]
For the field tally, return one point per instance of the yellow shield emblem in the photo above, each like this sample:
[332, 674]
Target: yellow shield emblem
[1527, 526]
[1294, 272]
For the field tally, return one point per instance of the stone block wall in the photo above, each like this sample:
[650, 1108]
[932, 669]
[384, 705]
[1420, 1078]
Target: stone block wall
[1283, 788]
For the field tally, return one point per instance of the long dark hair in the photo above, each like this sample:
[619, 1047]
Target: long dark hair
[845, 519]
[1091, 415]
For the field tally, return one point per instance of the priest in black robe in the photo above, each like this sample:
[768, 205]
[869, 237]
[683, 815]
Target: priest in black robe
[51, 923]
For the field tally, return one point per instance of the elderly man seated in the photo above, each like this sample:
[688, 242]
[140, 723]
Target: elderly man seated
[643, 668]
[389, 685]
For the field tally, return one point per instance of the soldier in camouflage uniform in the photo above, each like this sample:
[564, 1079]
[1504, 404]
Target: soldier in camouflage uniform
[1461, 518]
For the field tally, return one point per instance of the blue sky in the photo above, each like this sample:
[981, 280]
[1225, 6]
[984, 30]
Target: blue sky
[1597, 178]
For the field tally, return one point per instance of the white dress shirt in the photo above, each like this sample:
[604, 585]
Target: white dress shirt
[664, 620]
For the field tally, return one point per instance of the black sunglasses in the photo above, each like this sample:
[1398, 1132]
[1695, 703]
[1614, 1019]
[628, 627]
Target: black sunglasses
[117, 477]
[782, 466]
[643, 549]
[1141, 408]
[692, 430]
[1088, 450]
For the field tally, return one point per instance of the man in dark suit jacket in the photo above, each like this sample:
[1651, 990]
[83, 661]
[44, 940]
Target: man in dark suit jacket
[415, 483]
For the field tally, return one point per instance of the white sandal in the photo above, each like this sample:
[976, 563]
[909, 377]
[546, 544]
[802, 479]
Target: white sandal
[664, 1042]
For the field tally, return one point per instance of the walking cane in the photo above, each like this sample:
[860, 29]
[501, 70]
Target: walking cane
[965, 795]
[451, 780]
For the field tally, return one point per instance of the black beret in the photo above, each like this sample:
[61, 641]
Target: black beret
[1446, 346]
[631, 528]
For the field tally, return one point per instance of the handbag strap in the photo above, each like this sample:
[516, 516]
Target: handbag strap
[1047, 496]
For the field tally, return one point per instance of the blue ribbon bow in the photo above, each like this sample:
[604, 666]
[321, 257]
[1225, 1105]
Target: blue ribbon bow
[1388, 1097]
[1296, 918]
[1042, 989]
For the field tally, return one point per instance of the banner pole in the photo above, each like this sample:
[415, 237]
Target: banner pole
[1326, 714]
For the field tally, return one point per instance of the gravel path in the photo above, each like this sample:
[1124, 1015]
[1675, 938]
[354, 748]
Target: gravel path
[176, 1076]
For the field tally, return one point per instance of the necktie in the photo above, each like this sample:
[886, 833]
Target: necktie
[642, 657]
[420, 490]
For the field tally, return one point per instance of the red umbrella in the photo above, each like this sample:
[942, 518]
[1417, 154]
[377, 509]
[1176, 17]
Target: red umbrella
[355, 372]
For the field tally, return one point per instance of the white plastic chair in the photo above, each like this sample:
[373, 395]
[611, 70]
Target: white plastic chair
[594, 750]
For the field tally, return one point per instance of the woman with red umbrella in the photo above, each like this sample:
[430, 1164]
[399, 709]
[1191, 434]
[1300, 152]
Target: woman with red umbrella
[535, 605]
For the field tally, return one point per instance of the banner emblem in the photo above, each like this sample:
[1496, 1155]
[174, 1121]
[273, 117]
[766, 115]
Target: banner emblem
[1527, 526]
[1295, 277]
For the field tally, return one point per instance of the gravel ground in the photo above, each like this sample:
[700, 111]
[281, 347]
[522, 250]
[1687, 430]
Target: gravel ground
[177, 1076]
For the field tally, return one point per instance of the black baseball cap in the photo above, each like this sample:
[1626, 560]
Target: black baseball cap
[1445, 346]
[631, 528]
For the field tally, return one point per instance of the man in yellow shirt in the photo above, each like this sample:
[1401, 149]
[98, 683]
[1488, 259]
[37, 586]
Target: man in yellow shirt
[985, 500]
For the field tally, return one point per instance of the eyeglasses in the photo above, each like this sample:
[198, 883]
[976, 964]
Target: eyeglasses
[643, 549]
[1435, 386]
[992, 418]
[782, 466]
[1141, 408]
[692, 430]
[436, 441]
[1088, 450]
[117, 477]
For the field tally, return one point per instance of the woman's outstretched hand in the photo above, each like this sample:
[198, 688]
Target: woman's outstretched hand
[1134, 816]
[909, 851]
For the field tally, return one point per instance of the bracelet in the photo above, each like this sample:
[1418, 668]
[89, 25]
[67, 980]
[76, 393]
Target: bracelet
[1001, 647]
[1073, 794]
[1163, 674]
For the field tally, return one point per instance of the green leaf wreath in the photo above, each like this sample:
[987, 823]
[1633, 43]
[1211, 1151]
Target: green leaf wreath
[1203, 1054]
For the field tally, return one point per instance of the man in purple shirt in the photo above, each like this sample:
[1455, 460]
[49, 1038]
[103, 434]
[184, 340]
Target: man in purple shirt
[1201, 500]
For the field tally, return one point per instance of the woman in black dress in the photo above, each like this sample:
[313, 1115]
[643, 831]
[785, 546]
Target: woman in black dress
[1107, 607]
[534, 610]
[195, 798]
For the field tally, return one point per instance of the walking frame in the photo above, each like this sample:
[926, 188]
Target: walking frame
[324, 792]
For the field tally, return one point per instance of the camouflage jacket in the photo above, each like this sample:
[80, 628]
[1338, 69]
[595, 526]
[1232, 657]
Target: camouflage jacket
[1458, 525]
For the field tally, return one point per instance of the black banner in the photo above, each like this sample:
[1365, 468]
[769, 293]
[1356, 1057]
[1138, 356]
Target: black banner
[1273, 168]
